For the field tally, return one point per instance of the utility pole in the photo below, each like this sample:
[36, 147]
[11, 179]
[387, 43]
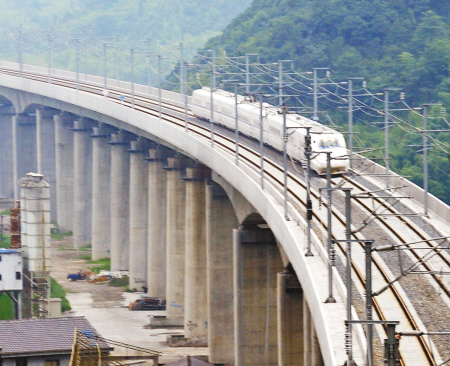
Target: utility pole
[391, 347]
[425, 154]
[247, 71]
[181, 69]
[159, 83]
[20, 53]
[214, 67]
[368, 251]
[132, 76]
[348, 274]
[391, 344]
[50, 57]
[386, 133]
[425, 159]
[117, 59]
[147, 60]
[104, 66]
[315, 92]
[85, 62]
[350, 118]
[211, 119]
[149, 76]
[280, 81]
[285, 162]
[331, 254]
[309, 211]
[236, 120]
[185, 99]
[77, 52]
[315, 116]
[261, 140]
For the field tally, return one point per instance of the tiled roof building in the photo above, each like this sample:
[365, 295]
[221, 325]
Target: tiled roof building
[42, 341]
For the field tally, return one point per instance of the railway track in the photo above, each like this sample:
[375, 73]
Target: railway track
[296, 188]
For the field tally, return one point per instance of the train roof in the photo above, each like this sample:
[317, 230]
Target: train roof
[292, 119]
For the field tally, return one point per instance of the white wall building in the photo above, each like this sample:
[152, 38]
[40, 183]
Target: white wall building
[10, 270]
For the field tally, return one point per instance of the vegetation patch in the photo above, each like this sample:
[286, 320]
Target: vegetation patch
[86, 247]
[60, 236]
[5, 241]
[57, 291]
[6, 307]
[87, 257]
[5, 212]
[103, 264]
[124, 281]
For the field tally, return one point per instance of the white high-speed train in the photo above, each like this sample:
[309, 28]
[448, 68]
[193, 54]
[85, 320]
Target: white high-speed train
[323, 138]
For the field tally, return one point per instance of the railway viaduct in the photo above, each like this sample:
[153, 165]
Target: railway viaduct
[181, 215]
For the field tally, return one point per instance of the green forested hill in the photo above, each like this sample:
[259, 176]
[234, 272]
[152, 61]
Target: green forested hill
[401, 43]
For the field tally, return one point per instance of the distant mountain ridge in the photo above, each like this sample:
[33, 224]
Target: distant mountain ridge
[190, 21]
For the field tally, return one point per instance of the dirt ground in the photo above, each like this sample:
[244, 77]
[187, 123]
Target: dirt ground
[106, 307]
[66, 260]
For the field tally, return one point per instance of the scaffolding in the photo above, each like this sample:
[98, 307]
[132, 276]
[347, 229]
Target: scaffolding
[89, 349]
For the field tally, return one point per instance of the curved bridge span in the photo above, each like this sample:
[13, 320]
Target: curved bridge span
[190, 223]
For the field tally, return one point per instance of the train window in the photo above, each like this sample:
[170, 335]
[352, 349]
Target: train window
[329, 141]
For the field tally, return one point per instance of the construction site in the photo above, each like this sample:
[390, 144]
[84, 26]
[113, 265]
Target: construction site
[117, 322]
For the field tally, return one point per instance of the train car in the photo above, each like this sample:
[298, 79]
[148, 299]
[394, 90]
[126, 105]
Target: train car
[323, 138]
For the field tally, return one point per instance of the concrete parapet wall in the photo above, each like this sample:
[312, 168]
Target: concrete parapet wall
[125, 86]
[435, 205]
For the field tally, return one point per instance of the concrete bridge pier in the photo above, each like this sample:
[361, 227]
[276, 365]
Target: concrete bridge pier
[82, 191]
[64, 171]
[24, 148]
[138, 213]
[157, 196]
[45, 152]
[120, 201]
[220, 222]
[175, 240]
[290, 320]
[257, 262]
[311, 347]
[101, 193]
[195, 301]
[6, 151]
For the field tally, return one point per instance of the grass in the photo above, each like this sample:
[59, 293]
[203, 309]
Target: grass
[5, 212]
[131, 289]
[103, 264]
[5, 241]
[87, 257]
[6, 307]
[60, 236]
[56, 291]
[86, 247]
[65, 248]
[120, 282]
